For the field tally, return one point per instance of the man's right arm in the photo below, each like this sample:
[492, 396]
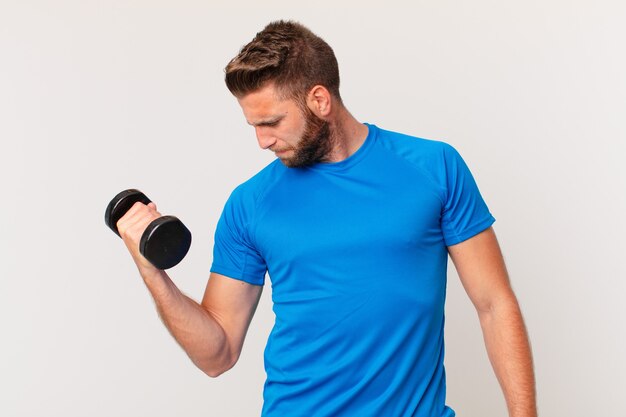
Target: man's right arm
[212, 332]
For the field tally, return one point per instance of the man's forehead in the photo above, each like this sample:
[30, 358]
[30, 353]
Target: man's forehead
[264, 106]
[264, 115]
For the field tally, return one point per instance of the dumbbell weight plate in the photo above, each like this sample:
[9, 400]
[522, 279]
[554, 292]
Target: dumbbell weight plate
[120, 204]
[165, 242]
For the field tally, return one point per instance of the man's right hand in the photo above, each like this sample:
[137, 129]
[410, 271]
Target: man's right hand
[131, 227]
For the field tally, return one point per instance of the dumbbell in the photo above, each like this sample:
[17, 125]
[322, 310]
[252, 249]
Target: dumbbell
[166, 240]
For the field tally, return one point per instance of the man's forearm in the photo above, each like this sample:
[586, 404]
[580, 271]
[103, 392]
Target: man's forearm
[509, 351]
[193, 327]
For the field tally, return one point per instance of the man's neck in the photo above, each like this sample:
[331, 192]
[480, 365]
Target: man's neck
[348, 135]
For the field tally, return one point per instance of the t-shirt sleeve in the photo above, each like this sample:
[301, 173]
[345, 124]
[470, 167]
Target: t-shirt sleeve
[233, 253]
[465, 213]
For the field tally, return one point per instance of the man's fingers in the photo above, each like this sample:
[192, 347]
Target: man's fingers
[139, 215]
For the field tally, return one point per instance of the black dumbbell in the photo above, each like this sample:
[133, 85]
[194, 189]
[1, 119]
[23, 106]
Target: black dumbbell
[166, 240]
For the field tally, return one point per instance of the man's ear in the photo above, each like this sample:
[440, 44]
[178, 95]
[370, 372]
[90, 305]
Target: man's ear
[319, 100]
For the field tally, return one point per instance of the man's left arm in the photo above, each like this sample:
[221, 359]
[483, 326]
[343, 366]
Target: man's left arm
[481, 268]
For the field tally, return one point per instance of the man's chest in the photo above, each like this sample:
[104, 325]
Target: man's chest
[348, 221]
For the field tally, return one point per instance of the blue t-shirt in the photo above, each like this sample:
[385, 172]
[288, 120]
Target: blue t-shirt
[357, 256]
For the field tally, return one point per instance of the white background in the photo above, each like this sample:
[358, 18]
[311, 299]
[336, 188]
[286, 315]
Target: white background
[100, 96]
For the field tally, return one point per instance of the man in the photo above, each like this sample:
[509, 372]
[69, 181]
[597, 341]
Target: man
[354, 225]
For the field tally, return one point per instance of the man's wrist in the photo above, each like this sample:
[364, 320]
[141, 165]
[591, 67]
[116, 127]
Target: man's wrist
[152, 276]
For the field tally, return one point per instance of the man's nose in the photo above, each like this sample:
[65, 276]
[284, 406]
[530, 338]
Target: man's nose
[265, 139]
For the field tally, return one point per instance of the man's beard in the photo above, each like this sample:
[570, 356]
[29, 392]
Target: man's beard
[315, 144]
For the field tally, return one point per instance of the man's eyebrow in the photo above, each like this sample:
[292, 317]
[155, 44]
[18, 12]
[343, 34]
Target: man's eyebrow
[267, 122]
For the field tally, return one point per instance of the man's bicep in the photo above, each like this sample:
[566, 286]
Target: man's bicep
[232, 304]
[480, 265]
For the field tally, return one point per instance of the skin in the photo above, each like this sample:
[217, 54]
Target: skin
[212, 332]
[480, 266]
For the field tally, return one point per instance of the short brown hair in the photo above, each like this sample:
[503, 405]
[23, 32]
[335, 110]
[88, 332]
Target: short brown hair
[288, 54]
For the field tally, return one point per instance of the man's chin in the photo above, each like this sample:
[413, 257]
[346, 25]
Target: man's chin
[292, 161]
[289, 162]
[288, 158]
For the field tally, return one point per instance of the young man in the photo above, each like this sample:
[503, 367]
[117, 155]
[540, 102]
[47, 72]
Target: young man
[354, 225]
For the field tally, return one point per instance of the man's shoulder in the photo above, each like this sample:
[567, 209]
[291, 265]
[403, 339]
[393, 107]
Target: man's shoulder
[403, 142]
[419, 151]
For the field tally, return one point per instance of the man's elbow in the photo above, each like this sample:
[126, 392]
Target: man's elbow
[214, 373]
[216, 368]
[504, 304]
